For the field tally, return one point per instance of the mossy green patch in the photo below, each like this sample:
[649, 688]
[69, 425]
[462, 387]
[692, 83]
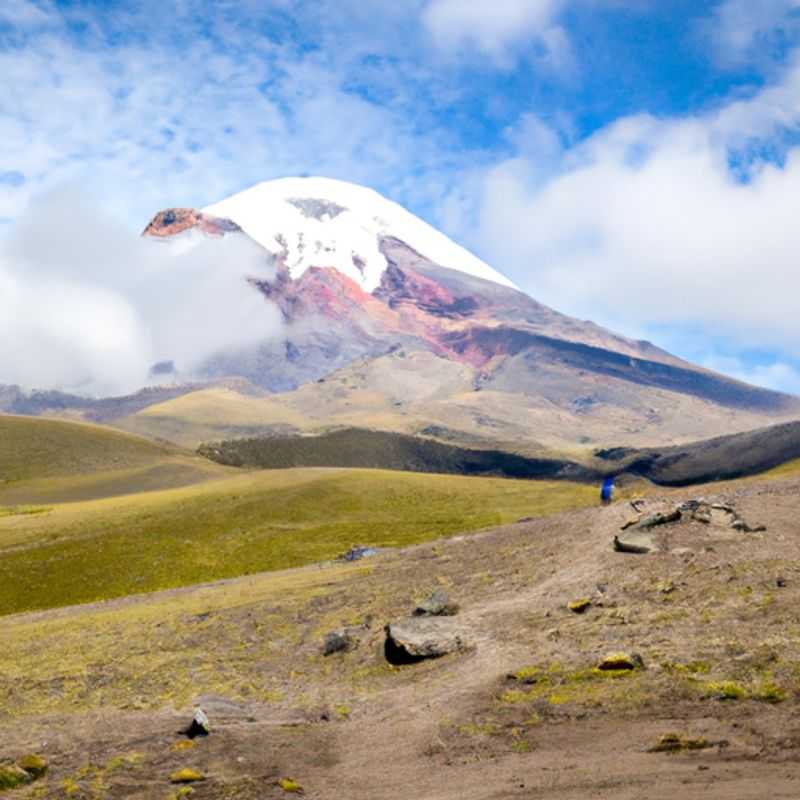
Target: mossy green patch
[724, 690]
[12, 776]
[560, 685]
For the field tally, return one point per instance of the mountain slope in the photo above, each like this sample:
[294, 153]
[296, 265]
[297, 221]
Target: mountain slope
[389, 324]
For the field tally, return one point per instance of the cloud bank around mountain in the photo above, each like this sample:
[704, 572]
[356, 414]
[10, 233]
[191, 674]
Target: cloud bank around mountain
[87, 305]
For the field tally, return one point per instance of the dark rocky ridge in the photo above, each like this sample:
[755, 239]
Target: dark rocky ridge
[356, 447]
[722, 458]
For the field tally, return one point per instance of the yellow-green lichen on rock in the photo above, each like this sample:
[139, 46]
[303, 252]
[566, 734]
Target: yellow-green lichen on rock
[187, 775]
[580, 606]
[290, 785]
[34, 765]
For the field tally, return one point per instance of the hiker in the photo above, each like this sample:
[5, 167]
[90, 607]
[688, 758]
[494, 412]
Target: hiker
[607, 491]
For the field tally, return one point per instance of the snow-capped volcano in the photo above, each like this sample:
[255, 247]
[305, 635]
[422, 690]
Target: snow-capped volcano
[320, 222]
[424, 335]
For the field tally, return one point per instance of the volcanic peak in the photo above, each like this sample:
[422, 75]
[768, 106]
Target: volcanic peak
[321, 222]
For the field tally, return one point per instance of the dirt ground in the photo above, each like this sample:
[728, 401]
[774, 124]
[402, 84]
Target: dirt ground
[522, 712]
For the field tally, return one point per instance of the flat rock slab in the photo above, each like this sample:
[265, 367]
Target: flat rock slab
[423, 637]
[637, 541]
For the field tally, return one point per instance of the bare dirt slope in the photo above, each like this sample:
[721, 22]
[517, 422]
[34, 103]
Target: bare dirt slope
[101, 691]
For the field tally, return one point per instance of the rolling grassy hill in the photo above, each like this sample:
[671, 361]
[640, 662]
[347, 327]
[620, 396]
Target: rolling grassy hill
[214, 413]
[253, 522]
[41, 448]
[51, 461]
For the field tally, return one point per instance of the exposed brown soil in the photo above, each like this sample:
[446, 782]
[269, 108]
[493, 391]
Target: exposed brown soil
[519, 714]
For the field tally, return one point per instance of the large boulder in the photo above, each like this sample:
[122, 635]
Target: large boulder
[419, 638]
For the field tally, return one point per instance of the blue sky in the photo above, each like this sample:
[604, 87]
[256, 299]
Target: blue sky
[634, 162]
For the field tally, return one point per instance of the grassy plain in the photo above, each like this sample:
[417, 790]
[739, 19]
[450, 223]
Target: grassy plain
[252, 522]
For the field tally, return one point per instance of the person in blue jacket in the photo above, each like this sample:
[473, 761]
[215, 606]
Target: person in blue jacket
[607, 491]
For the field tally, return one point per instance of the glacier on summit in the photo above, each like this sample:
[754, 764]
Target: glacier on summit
[315, 222]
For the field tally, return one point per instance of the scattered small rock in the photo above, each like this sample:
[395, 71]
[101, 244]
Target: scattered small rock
[580, 606]
[636, 542]
[675, 743]
[338, 642]
[419, 638]
[524, 519]
[781, 583]
[199, 726]
[357, 552]
[187, 775]
[437, 605]
[621, 661]
[659, 518]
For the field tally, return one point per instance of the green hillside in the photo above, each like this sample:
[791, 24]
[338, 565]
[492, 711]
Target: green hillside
[47, 461]
[94, 550]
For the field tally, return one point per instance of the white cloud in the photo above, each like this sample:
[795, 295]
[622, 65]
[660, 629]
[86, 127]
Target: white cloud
[86, 305]
[644, 225]
[495, 26]
[741, 29]
[780, 376]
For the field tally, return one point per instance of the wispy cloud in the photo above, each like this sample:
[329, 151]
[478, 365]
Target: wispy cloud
[497, 28]
[743, 30]
[190, 110]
